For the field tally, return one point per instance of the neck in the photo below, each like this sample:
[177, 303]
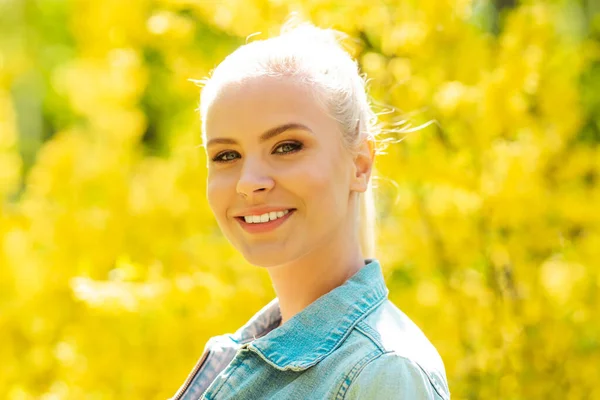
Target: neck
[302, 281]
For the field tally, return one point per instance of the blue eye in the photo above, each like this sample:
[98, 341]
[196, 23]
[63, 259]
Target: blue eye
[289, 147]
[226, 156]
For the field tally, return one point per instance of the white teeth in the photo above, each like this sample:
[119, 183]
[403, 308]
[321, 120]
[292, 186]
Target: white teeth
[266, 217]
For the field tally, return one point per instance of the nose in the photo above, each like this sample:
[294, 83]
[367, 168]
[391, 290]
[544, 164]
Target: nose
[255, 180]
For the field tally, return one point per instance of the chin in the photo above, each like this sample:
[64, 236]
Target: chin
[266, 258]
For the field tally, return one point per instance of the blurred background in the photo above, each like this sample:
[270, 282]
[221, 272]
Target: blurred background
[113, 273]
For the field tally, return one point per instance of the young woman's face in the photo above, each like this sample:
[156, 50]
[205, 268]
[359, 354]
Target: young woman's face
[279, 177]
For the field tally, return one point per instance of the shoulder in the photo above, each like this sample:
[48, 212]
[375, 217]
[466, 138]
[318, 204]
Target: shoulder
[407, 365]
[390, 376]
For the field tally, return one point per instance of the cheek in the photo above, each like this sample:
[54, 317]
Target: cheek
[218, 190]
[322, 182]
[306, 179]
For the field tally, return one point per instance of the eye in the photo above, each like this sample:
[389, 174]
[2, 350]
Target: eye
[226, 156]
[288, 147]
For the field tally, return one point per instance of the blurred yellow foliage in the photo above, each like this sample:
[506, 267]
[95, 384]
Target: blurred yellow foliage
[113, 273]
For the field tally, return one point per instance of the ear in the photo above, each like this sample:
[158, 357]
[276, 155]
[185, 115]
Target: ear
[363, 165]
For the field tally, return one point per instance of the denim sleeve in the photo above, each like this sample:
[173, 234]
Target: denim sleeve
[394, 377]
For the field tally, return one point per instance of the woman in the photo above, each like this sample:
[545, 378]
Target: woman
[289, 136]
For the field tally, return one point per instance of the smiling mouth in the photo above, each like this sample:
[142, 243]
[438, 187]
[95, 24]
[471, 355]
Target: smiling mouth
[279, 218]
[266, 217]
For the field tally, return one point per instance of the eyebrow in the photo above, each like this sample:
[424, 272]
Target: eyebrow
[266, 135]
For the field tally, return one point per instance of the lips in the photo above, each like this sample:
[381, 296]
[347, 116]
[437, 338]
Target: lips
[263, 227]
[266, 217]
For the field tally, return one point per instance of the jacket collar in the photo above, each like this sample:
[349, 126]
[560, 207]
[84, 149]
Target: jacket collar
[319, 329]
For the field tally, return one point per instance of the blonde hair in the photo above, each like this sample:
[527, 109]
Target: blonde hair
[314, 56]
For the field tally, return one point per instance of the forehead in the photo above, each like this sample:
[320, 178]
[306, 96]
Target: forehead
[253, 105]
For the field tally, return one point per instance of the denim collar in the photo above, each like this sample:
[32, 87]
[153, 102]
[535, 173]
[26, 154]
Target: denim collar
[315, 332]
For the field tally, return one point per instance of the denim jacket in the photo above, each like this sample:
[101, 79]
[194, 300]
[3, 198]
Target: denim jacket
[351, 343]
